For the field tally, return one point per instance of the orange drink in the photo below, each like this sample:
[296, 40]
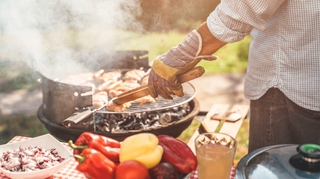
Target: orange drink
[215, 154]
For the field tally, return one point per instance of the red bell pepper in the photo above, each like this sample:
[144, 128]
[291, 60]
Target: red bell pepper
[95, 165]
[107, 146]
[178, 154]
[132, 169]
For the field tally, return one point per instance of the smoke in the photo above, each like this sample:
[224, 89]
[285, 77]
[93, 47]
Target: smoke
[50, 36]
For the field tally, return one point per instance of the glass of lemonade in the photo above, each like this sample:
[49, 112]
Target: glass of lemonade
[215, 154]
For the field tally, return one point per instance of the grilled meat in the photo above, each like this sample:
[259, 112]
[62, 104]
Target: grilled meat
[109, 85]
[123, 87]
[144, 80]
[114, 93]
[102, 76]
[118, 108]
[99, 99]
[145, 99]
[126, 86]
[135, 74]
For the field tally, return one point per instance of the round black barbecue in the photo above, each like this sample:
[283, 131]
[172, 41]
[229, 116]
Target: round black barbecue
[172, 129]
[62, 100]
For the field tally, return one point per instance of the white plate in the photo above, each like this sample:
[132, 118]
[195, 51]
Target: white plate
[45, 141]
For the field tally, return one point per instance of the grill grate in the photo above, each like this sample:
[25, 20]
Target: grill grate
[160, 103]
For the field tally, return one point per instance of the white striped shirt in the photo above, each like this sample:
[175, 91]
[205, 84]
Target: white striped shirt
[285, 45]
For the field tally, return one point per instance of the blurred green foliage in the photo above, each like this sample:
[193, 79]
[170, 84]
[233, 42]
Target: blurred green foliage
[232, 57]
[15, 76]
[28, 126]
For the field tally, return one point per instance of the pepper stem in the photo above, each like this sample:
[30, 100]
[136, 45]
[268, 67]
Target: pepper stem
[79, 158]
[80, 147]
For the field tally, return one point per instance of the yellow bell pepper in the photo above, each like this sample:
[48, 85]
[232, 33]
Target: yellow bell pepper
[141, 147]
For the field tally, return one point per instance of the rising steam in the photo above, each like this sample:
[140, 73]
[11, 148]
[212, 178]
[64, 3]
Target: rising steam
[51, 35]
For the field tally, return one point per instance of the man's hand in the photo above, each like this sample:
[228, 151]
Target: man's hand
[178, 60]
[163, 87]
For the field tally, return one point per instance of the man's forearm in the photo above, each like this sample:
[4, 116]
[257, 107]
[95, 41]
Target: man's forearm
[210, 44]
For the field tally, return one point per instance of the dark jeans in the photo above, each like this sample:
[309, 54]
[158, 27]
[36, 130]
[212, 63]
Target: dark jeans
[274, 119]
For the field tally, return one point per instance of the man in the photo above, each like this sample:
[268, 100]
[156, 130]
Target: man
[283, 74]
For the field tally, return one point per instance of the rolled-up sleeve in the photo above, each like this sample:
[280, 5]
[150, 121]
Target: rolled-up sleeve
[232, 20]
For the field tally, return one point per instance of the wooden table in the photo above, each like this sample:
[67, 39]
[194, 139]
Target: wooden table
[222, 126]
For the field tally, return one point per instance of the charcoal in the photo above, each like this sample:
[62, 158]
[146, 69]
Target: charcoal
[129, 124]
[135, 126]
[165, 119]
[113, 122]
[155, 124]
[147, 122]
[102, 127]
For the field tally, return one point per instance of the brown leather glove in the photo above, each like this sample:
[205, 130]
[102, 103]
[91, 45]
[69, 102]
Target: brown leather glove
[198, 45]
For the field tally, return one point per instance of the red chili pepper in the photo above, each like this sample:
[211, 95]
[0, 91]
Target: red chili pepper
[95, 165]
[178, 154]
[107, 146]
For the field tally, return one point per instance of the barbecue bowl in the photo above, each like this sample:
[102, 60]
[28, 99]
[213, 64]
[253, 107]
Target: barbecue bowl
[174, 129]
[45, 141]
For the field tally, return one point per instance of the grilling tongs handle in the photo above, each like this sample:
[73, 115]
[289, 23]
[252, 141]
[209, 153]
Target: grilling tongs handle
[143, 90]
[194, 73]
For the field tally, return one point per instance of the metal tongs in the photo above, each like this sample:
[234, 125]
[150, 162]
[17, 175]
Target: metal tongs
[144, 90]
[80, 115]
[130, 95]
